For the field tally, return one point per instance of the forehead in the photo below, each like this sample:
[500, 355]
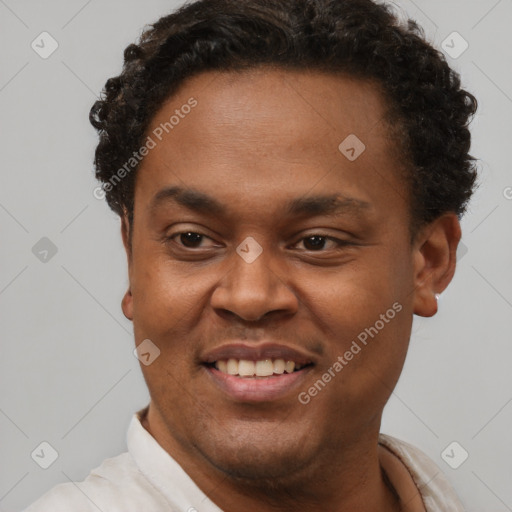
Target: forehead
[266, 131]
[293, 104]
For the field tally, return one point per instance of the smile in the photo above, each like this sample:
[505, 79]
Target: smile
[262, 368]
[258, 372]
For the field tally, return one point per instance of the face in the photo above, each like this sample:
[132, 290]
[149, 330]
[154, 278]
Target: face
[261, 256]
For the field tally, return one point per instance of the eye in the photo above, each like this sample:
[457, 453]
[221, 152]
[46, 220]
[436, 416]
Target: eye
[314, 243]
[321, 242]
[189, 239]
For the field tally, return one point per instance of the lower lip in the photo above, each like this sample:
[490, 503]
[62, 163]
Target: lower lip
[258, 389]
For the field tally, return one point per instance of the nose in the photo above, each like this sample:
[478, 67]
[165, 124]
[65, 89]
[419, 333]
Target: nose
[253, 290]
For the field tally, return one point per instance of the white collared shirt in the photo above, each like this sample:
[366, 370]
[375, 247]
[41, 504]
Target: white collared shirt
[146, 478]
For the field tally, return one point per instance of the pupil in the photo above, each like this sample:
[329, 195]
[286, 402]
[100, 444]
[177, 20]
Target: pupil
[314, 242]
[190, 239]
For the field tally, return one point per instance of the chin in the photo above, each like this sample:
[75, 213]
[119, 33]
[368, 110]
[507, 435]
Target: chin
[256, 457]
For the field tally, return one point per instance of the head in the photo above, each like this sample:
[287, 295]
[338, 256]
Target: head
[290, 177]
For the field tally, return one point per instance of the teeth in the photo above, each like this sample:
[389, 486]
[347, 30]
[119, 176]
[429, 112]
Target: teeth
[289, 366]
[279, 365]
[246, 368]
[223, 366]
[232, 367]
[263, 368]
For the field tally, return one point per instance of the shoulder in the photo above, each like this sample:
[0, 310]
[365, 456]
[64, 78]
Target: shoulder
[116, 485]
[435, 489]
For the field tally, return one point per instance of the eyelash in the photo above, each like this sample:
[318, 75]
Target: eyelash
[340, 243]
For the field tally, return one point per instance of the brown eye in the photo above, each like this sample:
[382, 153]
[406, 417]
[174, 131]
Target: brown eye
[190, 239]
[314, 243]
[321, 243]
[183, 240]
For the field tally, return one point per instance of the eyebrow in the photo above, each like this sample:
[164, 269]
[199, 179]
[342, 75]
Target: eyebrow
[200, 202]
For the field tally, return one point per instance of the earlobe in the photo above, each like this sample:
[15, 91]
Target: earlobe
[425, 304]
[435, 260]
[127, 305]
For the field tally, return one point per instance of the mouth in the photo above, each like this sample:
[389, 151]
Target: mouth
[262, 368]
[258, 373]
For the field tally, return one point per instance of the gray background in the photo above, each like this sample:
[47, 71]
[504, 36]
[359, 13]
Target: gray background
[68, 375]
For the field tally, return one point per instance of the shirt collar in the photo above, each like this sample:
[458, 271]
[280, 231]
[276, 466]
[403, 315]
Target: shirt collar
[419, 483]
[163, 472]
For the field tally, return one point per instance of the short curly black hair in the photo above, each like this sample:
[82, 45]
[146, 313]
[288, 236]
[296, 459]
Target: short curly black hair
[361, 38]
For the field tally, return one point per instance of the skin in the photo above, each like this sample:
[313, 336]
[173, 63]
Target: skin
[256, 140]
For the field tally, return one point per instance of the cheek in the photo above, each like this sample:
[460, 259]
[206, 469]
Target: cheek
[365, 315]
[167, 297]
[352, 296]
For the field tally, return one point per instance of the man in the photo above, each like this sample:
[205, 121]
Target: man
[289, 177]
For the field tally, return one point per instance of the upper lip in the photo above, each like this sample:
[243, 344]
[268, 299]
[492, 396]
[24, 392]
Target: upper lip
[257, 352]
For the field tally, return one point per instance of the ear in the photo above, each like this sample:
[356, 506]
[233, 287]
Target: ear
[127, 302]
[435, 257]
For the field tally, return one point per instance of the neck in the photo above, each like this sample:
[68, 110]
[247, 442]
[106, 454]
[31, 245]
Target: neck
[331, 487]
[338, 481]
